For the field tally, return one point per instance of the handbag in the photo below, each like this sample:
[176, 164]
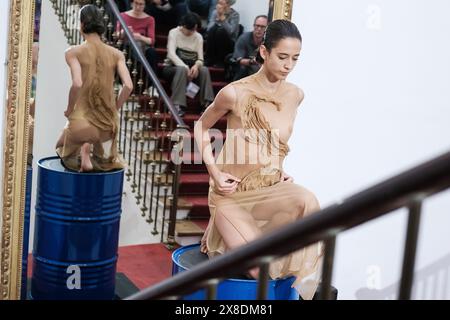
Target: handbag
[188, 57]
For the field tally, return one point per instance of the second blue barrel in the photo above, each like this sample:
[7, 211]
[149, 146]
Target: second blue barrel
[188, 257]
[76, 233]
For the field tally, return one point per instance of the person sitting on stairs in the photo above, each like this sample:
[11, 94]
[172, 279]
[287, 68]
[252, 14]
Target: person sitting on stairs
[184, 63]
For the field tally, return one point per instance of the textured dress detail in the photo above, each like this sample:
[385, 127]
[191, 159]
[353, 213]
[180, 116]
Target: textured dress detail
[94, 118]
[262, 201]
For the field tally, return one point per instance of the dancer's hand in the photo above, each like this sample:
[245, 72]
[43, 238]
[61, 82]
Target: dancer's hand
[286, 177]
[224, 183]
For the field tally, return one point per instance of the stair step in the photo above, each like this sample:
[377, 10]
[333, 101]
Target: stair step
[217, 86]
[189, 119]
[187, 228]
[193, 105]
[166, 135]
[161, 40]
[217, 74]
[194, 184]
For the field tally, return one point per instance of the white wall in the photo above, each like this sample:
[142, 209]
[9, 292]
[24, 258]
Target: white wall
[4, 19]
[52, 91]
[248, 10]
[376, 76]
[53, 83]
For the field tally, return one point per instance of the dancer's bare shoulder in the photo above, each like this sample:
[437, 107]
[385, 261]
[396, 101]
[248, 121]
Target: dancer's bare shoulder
[226, 98]
[295, 92]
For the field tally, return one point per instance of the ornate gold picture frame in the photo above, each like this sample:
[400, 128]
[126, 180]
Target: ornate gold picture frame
[282, 9]
[15, 137]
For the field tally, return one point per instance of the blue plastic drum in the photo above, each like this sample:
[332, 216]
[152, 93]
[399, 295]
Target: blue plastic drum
[76, 233]
[188, 257]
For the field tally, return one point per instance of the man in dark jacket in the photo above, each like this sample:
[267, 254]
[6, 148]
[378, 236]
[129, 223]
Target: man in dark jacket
[167, 12]
[246, 48]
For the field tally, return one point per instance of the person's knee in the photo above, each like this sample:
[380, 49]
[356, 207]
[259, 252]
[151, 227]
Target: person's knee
[220, 216]
[307, 202]
[203, 71]
[181, 72]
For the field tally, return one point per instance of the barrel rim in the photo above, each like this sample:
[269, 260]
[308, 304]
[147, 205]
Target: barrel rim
[105, 173]
[177, 251]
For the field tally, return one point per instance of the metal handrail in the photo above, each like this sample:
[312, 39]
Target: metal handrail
[406, 189]
[146, 65]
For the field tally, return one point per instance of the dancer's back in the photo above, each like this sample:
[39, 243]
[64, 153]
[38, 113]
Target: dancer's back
[94, 118]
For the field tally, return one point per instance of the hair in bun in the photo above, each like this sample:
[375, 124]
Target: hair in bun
[92, 19]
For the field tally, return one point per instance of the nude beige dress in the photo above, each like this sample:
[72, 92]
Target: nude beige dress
[95, 117]
[262, 201]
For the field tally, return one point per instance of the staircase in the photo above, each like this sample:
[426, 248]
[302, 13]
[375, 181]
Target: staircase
[172, 198]
[193, 210]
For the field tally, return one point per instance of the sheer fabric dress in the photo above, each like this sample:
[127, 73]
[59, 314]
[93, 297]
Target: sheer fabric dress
[254, 151]
[95, 117]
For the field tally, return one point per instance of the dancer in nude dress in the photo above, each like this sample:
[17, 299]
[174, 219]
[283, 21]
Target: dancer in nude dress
[250, 194]
[89, 139]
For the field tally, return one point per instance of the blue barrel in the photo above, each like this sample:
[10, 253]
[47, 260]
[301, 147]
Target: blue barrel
[76, 233]
[26, 229]
[187, 257]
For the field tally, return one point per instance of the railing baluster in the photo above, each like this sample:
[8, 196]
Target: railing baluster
[177, 150]
[141, 161]
[129, 173]
[263, 279]
[409, 255]
[150, 219]
[211, 289]
[137, 138]
[166, 189]
[327, 272]
[158, 180]
[147, 163]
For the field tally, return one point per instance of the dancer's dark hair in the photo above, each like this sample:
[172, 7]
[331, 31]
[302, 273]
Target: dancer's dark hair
[276, 31]
[92, 19]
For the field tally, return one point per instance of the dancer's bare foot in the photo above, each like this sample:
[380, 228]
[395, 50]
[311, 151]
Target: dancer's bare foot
[254, 272]
[203, 247]
[85, 153]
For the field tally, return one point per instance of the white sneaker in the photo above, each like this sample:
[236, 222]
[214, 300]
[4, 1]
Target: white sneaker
[152, 91]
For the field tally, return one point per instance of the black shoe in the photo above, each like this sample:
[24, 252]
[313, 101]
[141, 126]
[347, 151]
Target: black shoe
[181, 111]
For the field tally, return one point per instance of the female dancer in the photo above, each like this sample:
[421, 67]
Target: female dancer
[249, 193]
[92, 108]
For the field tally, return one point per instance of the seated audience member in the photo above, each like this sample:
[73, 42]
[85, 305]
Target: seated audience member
[204, 8]
[143, 28]
[184, 63]
[167, 12]
[123, 5]
[222, 32]
[246, 49]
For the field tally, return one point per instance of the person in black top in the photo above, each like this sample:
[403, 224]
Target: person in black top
[167, 12]
[246, 47]
[222, 33]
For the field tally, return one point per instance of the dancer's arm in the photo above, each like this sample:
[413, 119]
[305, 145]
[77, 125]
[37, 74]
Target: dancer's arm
[127, 83]
[224, 102]
[77, 82]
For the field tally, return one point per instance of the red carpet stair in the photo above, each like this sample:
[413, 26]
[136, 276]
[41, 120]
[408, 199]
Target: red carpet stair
[194, 181]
